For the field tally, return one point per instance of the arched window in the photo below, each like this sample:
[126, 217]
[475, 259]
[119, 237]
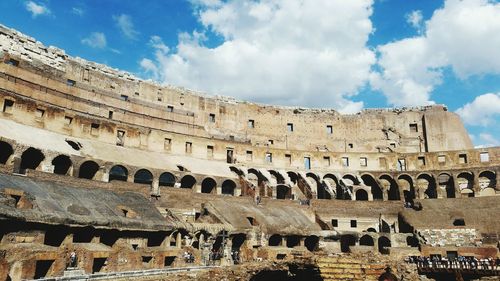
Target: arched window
[61, 163]
[228, 187]
[167, 179]
[361, 195]
[5, 152]
[383, 245]
[88, 170]
[311, 243]
[366, 240]
[31, 159]
[346, 241]
[375, 188]
[143, 176]
[292, 241]
[188, 181]
[208, 185]
[275, 240]
[118, 173]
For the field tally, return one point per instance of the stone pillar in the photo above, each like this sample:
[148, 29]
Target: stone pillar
[104, 174]
[283, 241]
[155, 186]
[178, 240]
[476, 186]
[16, 164]
[455, 186]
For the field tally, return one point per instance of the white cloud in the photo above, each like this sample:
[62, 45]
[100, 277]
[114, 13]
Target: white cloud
[78, 11]
[124, 23]
[482, 111]
[488, 140]
[463, 35]
[293, 52]
[95, 40]
[36, 9]
[415, 19]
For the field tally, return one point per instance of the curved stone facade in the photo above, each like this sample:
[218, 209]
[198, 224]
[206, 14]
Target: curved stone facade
[213, 173]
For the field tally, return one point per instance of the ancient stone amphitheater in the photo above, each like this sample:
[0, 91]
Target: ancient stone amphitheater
[133, 177]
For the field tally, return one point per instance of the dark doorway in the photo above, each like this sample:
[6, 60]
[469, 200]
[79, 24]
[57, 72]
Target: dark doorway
[5, 152]
[228, 187]
[143, 176]
[61, 163]
[31, 159]
[118, 173]
[208, 185]
[42, 268]
[346, 241]
[88, 170]
[188, 181]
[167, 179]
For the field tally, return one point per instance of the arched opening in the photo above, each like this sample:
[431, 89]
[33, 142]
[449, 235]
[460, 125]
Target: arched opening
[277, 176]
[118, 173]
[292, 241]
[375, 188]
[487, 179]
[427, 184]
[371, 229]
[208, 185]
[311, 243]
[188, 181]
[346, 241]
[5, 152]
[391, 186]
[329, 187]
[228, 187]
[31, 159]
[293, 177]
[406, 184]
[143, 176]
[383, 245]
[385, 227]
[283, 192]
[237, 241]
[237, 171]
[88, 170]
[62, 164]
[366, 240]
[411, 241]
[361, 195]
[275, 240]
[166, 179]
[465, 183]
[445, 182]
[253, 177]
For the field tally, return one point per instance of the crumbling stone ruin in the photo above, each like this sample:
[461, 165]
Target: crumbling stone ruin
[127, 175]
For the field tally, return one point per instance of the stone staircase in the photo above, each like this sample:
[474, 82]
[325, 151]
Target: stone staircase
[333, 268]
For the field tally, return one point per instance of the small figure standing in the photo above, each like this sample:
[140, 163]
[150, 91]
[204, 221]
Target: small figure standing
[72, 259]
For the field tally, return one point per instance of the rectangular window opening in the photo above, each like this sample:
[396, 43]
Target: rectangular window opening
[345, 161]
[13, 62]
[335, 222]
[39, 113]
[421, 160]
[170, 108]
[289, 127]
[329, 129]
[462, 158]
[110, 114]
[363, 161]
[441, 159]
[189, 148]
[288, 159]
[327, 161]
[307, 163]
[8, 105]
[210, 151]
[354, 223]
[413, 128]
[401, 165]
[484, 157]
[120, 137]
[211, 118]
[124, 97]
[70, 82]
[251, 124]
[269, 157]
[167, 144]
[94, 129]
[249, 155]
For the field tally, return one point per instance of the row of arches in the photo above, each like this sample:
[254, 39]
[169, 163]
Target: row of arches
[310, 242]
[367, 187]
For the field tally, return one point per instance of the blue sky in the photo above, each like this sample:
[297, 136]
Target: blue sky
[346, 55]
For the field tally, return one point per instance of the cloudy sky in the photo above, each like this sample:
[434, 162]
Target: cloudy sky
[340, 54]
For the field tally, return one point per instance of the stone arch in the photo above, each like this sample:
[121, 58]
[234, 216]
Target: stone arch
[383, 244]
[370, 181]
[361, 195]
[465, 183]
[199, 238]
[350, 180]
[346, 241]
[445, 182]
[292, 241]
[188, 181]
[311, 243]
[391, 186]
[487, 179]
[118, 172]
[283, 192]
[366, 240]
[208, 185]
[31, 159]
[62, 164]
[143, 176]
[384, 227]
[6, 151]
[293, 177]
[329, 182]
[277, 177]
[313, 181]
[426, 186]
[166, 179]
[228, 187]
[275, 240]
[236, 171]
[237, 241]
[406, 183]
[254, 177]
[88, 170]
